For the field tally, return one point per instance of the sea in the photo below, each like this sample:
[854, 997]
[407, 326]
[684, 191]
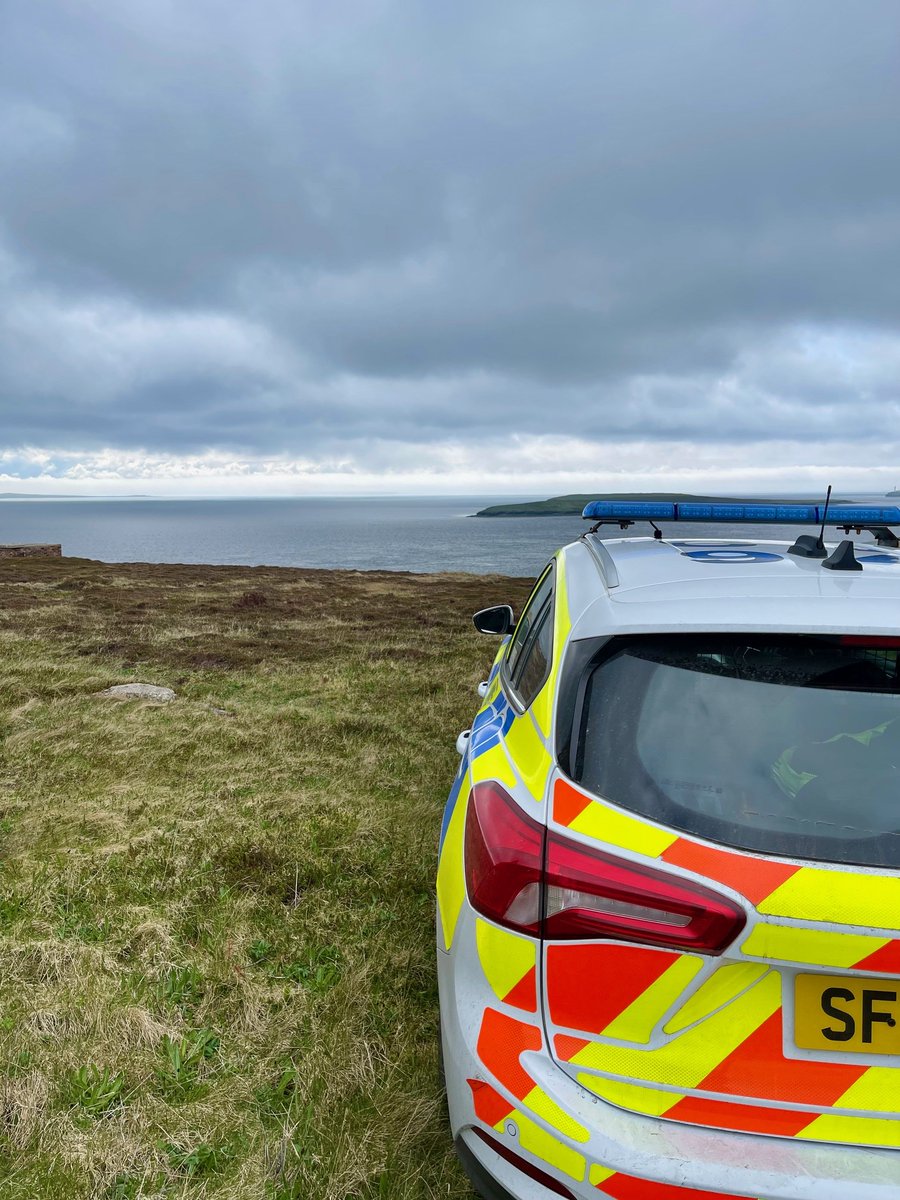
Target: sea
[409, 533]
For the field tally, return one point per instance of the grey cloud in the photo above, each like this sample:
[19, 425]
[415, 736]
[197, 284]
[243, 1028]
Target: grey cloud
[409, 220]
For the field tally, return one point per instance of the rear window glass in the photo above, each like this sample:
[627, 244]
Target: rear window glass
[785, 745]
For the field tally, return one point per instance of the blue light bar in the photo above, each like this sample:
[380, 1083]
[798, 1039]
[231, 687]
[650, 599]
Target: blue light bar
[737, 514]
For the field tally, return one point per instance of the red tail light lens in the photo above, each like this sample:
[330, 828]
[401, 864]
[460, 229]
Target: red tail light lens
[594, 895]
[523, 878]
[868, 639]
[504, 859]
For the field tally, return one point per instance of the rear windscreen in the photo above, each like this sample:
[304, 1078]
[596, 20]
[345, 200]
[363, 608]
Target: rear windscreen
[785, 745]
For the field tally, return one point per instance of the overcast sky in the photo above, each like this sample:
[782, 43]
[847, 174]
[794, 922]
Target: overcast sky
[291, 246]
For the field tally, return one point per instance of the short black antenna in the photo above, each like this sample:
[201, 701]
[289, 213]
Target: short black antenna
[806, 546]
[821, 542]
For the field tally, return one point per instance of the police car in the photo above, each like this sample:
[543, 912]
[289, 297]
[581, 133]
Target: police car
[669, 876]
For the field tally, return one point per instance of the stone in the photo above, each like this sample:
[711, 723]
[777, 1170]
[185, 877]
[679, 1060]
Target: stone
[41, 550]
[139, 691]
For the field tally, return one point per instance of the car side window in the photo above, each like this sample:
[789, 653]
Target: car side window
[528, 658]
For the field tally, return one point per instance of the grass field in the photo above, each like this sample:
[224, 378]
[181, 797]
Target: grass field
[216, 915]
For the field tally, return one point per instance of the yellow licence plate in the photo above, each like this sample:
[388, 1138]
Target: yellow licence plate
[834, 1012]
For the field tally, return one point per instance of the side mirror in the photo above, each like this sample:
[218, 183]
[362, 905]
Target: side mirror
[497, 620]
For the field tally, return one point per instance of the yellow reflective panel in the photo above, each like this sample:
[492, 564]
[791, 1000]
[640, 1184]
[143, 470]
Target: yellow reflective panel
[839, 897]
[617, 828]
[494, 764]
[876, 1091]
[563, 621]
[529, 754]
[818, 946]
[505, 957]
[599, 1174]
[637, 1022]
[857, 1131]
[543, 1145]
[714, 993]
[690, 1056]
[451, 884]
[549, 1111]
[542, 707]
[650, 1101]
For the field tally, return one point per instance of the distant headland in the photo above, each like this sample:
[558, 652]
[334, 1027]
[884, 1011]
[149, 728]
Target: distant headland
[573, 506]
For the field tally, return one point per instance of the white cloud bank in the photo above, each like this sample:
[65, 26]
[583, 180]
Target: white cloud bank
[520, 465]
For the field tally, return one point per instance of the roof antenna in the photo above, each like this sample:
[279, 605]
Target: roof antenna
[807, 546]
[842, 559]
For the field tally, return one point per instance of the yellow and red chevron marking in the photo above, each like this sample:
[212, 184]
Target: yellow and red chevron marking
[493, 1110]
[745, 1118]
[490, 1106]
[629, 1187]
[509, 962]
[829, 1125]
[736, 1052]
[778, 889]
[782, 942]
[501, 1041]
[614, 989]
[885, 959]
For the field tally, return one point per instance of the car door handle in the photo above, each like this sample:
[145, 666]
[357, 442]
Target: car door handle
[462, 742]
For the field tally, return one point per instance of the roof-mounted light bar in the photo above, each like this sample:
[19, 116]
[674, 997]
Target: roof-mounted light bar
[842, 515]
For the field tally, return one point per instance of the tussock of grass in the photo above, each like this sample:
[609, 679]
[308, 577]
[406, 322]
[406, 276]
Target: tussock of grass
[216, 916]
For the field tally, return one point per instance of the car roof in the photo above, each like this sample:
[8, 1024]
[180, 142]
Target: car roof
[642, 584]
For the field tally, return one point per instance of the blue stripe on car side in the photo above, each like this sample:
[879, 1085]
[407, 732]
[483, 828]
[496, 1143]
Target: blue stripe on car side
[450, 806]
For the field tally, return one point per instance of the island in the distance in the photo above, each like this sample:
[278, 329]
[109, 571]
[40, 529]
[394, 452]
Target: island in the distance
[573, 506]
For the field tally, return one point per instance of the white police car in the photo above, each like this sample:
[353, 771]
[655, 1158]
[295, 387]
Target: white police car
[669, 879]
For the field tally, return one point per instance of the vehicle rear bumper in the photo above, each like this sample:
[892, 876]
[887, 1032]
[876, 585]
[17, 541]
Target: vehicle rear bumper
[623, 1146]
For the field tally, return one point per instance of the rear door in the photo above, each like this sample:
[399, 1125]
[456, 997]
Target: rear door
[764, 774]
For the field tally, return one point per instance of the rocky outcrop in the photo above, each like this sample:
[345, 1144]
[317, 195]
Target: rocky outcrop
[36, 550]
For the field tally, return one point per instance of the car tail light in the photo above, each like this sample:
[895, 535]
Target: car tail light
[504, 859]
[549, 886]
[868, 639]
[523, 1165]
[594, 895]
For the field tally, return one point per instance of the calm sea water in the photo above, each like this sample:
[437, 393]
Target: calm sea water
[395, 534]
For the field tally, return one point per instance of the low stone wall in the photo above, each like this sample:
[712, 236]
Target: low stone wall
[32, 551]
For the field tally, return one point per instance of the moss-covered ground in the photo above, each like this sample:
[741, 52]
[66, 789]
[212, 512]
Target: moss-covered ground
[216, 915]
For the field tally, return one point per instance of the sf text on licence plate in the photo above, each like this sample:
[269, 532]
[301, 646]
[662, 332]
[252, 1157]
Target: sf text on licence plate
[843, 1013]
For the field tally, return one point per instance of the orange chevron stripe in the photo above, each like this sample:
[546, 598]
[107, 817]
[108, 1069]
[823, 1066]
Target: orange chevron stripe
[566, 1047]
[567, 803]
[758, 1068]
[589, 985]
[886, 958]
[755, 878]
[524, 994]
[490, 1106]
[745, 1118]
[500, 1042]
[629, 1187]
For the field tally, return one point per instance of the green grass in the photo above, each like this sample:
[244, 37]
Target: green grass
[216, 916]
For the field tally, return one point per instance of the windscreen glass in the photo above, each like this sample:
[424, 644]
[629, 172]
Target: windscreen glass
[785, 745]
